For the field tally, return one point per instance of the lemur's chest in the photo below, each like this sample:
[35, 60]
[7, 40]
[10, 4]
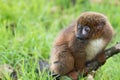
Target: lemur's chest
[93, 48]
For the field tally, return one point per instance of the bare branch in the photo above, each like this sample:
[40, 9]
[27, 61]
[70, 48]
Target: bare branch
[93, 65]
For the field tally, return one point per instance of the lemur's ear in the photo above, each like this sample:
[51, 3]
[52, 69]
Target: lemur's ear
[101, 24]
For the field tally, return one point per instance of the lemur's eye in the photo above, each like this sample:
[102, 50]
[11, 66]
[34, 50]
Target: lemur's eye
[87, 29]
[79, 26]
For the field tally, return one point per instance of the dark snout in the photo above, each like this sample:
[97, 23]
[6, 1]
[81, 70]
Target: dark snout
[81, 37]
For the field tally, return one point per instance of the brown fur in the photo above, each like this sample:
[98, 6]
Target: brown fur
[69, 53]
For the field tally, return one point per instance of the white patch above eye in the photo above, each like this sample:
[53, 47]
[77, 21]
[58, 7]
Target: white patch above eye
[94, 47]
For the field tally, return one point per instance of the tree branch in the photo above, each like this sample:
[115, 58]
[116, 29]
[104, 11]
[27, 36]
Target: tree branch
[93, 65]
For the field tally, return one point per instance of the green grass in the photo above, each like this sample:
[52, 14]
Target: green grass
[37, 22]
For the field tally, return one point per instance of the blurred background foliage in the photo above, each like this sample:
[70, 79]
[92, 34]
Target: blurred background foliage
[29, 27]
